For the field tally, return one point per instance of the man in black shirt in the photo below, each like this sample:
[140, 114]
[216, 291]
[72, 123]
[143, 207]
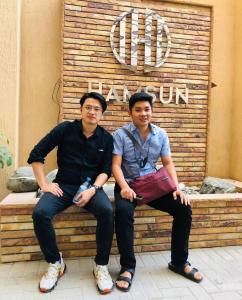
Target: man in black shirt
[84, 149]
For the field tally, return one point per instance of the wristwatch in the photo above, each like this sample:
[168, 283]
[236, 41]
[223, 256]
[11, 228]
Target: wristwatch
[97, 187]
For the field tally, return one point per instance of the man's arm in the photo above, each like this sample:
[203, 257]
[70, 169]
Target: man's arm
[47, 143]
[106, 164]
[101, 179]
[52, 187]
[85, 196]
[105, 173]
[38, 154]
[169, 165]
[126, 191]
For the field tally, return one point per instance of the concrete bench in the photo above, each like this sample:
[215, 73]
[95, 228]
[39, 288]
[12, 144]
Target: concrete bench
[217, 221]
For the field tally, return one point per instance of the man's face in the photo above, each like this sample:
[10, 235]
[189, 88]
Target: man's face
[141, 113]
[91, 111]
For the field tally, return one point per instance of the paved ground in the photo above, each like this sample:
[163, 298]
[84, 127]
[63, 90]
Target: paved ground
[222, 268]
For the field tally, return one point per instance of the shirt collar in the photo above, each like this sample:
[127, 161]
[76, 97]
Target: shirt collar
[97, 131]
[133, 128]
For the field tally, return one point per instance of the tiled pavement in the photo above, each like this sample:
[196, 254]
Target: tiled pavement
[222, 269]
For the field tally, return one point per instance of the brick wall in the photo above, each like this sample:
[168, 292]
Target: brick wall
[87, 55]
[217, 221]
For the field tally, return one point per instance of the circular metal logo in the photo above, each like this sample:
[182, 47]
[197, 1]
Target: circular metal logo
[162, 52]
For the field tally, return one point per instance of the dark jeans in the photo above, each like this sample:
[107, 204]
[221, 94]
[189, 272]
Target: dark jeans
[124, 219]
[49, 205]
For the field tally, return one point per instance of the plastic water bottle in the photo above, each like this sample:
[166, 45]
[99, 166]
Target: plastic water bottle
[84, 186]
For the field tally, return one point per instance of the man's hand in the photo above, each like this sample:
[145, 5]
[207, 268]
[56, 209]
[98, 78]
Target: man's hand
[85, 196]
[184, 199]
[128, 193]
[52, 188]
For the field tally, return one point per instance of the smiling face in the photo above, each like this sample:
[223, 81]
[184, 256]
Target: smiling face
[91, 111]
[141, 113]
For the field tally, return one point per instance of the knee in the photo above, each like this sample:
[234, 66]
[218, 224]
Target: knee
[185, 212]
[39, 214]
[124, 211]
[107, 213]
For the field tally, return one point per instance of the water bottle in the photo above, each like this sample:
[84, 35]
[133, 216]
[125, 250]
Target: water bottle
[84, 186]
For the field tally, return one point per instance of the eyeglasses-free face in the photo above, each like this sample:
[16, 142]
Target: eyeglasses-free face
[141, 114]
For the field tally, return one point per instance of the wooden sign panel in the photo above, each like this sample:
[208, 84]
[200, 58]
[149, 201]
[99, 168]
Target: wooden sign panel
[120, 47]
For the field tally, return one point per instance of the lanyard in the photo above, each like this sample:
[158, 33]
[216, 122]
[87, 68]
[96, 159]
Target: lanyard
[142, 162]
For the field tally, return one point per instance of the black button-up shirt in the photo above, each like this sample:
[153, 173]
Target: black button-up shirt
[78, 157]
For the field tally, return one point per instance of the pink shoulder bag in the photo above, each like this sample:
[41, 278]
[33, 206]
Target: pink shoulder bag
[151, 186]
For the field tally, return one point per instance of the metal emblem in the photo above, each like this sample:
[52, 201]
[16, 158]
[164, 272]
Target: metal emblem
[162, 28]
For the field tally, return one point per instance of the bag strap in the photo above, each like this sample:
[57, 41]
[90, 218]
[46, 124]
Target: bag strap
[137, 146]
[135, 143]
[124, 163]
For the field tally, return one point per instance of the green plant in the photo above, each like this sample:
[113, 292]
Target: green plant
[5, 156]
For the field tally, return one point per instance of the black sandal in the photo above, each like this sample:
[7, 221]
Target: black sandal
[180, 270]
[126, 279]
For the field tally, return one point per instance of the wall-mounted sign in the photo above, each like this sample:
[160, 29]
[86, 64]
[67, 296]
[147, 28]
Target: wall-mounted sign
[156, 92]
[160, 47]
[161, 34]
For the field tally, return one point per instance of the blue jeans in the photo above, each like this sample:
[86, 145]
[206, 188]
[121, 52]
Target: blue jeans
[124, 219]
[49, 205]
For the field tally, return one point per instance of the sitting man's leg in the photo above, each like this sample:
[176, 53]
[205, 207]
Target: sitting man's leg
[101, 207]
[181, 226]
[124, 225]
[47, 207]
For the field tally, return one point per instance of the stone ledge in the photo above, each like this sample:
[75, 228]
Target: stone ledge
[217, 221]
[20, 199]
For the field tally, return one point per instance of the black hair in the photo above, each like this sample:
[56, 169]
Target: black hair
[96, 96]
[141, 96]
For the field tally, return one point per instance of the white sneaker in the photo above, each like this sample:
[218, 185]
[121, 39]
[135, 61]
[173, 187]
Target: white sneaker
[103, 279]
[50, 278]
